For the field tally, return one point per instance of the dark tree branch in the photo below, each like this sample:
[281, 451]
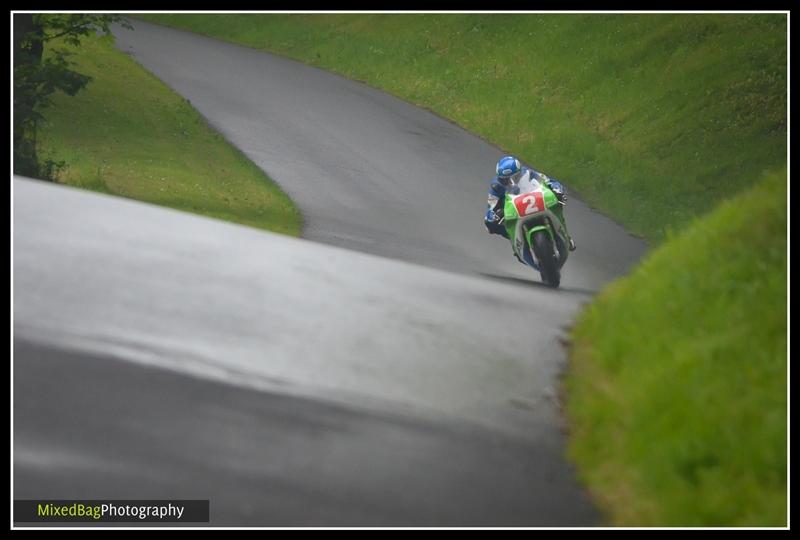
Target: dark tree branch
[36, 78]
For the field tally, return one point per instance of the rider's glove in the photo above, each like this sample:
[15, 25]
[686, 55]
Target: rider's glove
[493, 220]
[558, 189]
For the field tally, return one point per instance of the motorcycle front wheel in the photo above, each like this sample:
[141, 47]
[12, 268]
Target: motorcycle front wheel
[548, 266]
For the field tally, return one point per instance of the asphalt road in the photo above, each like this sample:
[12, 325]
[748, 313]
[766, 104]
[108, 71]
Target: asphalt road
[412, 381]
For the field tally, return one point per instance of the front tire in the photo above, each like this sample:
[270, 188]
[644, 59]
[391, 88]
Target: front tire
[548, 265]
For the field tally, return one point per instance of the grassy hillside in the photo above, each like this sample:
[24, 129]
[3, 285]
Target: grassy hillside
[128, 134]
[677, 388]
[654, 119]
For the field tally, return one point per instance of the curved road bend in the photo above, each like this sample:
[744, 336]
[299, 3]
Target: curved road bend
[159, 354]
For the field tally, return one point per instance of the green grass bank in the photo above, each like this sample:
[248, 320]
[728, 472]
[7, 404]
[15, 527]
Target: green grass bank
[653, 119]
[128, 134]
[678, 372]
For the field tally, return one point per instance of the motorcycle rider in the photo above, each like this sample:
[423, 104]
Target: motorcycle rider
[509, 170]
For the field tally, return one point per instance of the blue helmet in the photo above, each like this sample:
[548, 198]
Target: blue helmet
[508, 167]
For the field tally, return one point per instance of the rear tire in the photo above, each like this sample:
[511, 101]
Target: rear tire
[548, 265]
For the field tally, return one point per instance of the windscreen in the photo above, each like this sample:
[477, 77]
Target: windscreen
[527, 182]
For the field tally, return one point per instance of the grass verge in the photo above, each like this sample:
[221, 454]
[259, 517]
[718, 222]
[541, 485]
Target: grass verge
[677, 391]
[129, 134]
[634, 111]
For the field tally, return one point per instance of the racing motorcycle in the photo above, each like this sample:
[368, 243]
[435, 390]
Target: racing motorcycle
[536, 233]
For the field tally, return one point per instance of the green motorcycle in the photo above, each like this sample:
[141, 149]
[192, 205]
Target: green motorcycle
[533, 218]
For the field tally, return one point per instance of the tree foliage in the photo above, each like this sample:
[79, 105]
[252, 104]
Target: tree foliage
[37, 76]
